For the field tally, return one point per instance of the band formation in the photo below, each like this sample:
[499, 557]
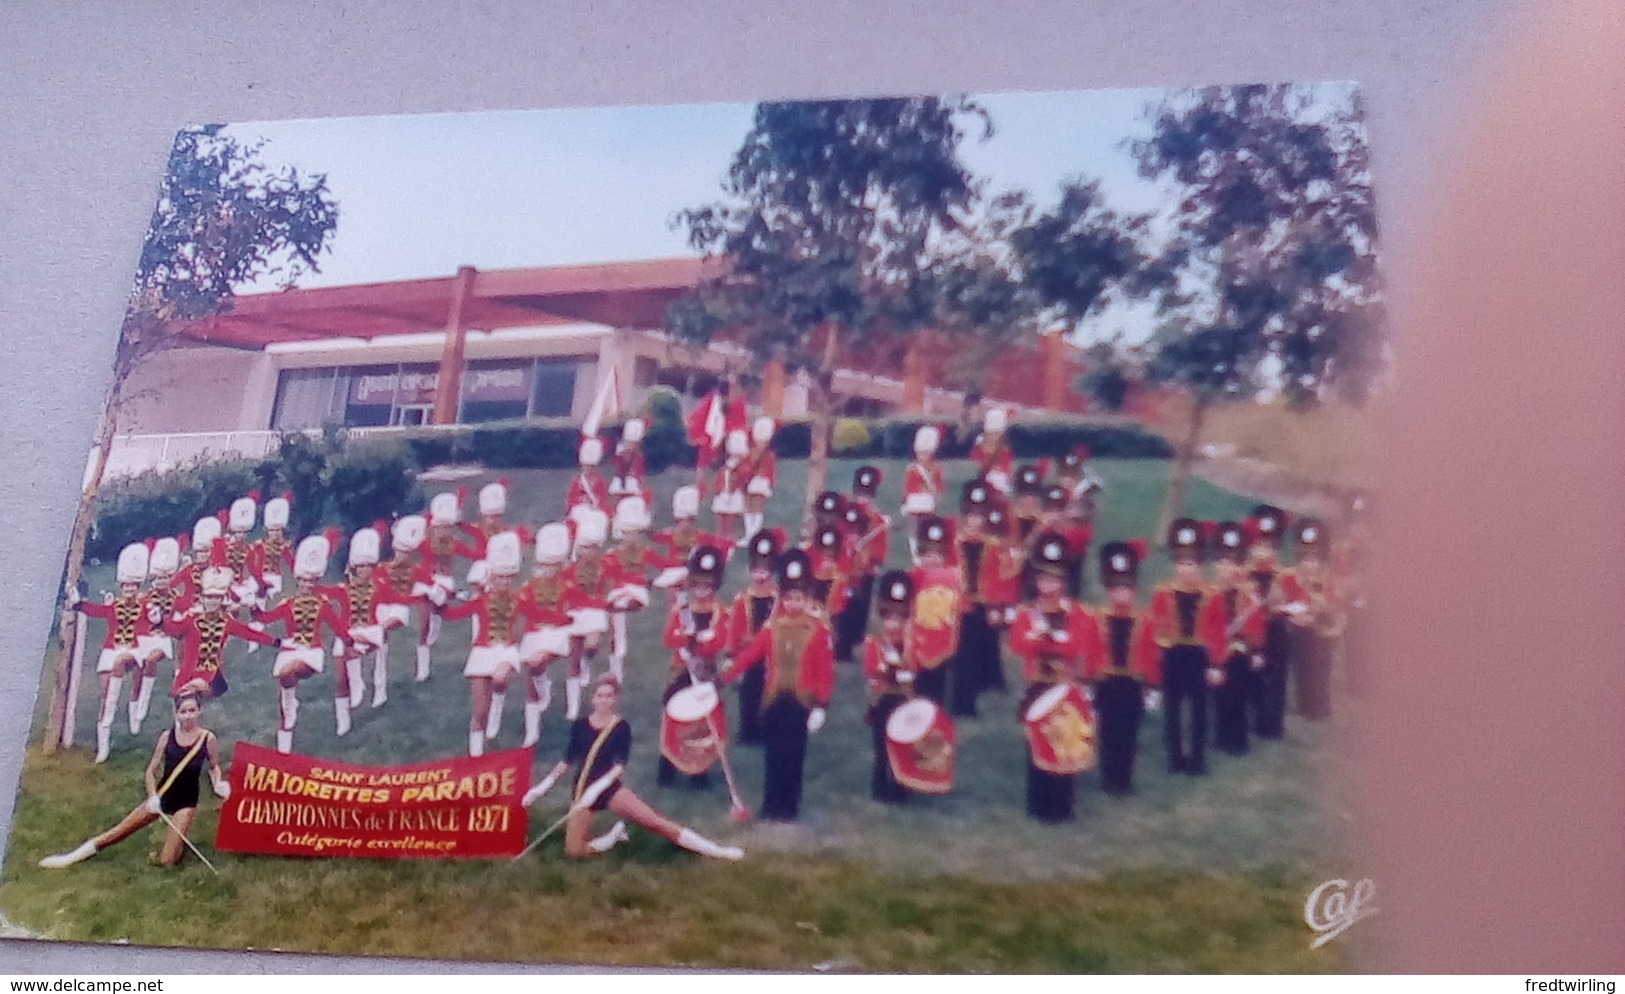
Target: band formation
[1002, 564]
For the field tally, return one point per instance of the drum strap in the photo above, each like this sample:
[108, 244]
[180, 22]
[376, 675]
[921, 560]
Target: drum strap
[582, 783]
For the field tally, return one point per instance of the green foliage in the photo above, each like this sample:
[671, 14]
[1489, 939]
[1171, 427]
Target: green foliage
[154, 504]
[371, 480]
[303, 465]
[665, 443]
[852, 438]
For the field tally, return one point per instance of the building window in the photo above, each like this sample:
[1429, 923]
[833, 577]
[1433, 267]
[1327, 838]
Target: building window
[497, 390]
[553, 389]
[403, 395]
[308, 398]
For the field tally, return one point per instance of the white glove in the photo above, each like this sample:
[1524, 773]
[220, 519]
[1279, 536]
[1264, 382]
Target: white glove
[671, 577]
[289, 645]
[1061, 636]
[437, 596]
[705, 636]
[1089, 694]
[535, 793]
[1153, 699]
[1258, 661]
[155, 614]
[815, 720]
[891, 655]
[153, 805]
[72, 594]
[1215, 677]
[906, 676]
[222, 788]
[1009, 615]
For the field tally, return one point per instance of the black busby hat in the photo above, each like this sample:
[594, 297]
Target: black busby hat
[854, 516]
[1269, 524]
[1049, 553]
[895, 593]
[976, 497]
[795, 571]
[1029, 481]
[706, 563]
[1056, 497]
[866, 480]
[764, 549]
[829, 504]
[1230, 542]
[827, 539]
[1120, 563]
[1312, 538]
[933, 532]
[1185, 539]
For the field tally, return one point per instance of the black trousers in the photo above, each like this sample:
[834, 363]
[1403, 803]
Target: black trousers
[667, 773]
[1269, 687]
[1077, 577]
[784, 752]
[1313, 680]
[1230, 704]
[1184, 727]
[883, 786]
[853, 621]
[976, 665]
[1120, 707]
[934, 683]
[750, 706]
[1051, 797]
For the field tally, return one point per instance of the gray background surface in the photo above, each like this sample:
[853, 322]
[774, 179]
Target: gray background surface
[94, 92]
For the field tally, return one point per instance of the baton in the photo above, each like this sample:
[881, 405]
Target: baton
[195, 850]
[587, 798]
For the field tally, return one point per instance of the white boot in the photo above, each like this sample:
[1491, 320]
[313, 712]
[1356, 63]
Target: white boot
[544, 692]
[62, 860]
[493, 718]
[610, 839]
[695, 842]
[617, 665]
[753, 524]
[434, 630]
[572, 698]
[476, 743]
[380, 678]
[533, 724]
[143, 700]
[104, 741]
[358, 693]
[284, 740]
[134, 710]
[104, 721]
[423, 663]
[290, 707]
[341, 711]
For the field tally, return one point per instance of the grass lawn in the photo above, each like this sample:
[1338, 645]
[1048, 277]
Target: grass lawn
[1205, 874]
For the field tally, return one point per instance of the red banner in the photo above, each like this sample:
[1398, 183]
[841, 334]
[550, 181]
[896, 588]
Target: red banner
[291, 805]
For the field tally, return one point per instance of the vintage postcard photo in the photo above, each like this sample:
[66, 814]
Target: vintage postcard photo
[903, 534]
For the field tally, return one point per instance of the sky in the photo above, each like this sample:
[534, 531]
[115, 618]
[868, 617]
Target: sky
[421, 195]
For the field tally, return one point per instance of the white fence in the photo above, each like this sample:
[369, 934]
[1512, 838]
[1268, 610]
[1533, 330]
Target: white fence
[133, 454]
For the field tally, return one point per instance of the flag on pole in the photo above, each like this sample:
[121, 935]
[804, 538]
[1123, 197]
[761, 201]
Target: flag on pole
[608, 403]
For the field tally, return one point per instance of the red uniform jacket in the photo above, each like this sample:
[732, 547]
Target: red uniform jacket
[628, 464]
[443, 549]
[939, 601]
[871, 549]
[703, 634]
[304, 615]
[734, 418]
[1176, 627]
[731, 478]
[1054, 652]
[546, 601]
[126, 619]
[402, 574]
[881, 668]
[591, 582]
[239, 555]
[1002, 564]
[1278, 584]
[356, 601]
[835, 571]
[919, 479]
[169, 601]
[795, 648]
[590, 488]
[742, 626]
[684, 537]
[977, 560]
[639, 561]
[501, 620]
[994, 457]
[271, 556]
[203, 644]
[1223, 608]
[1129, 647]
[763, 462]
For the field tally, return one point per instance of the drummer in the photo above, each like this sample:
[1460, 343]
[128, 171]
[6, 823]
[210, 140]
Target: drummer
[696, 633]
[750, 611]
[890, 673]
[1059, 642]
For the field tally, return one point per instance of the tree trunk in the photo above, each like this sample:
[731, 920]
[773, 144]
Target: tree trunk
[820, 400]
[62, 702]
[1184, 456]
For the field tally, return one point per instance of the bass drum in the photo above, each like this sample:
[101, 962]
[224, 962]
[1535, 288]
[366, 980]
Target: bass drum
[922, 746]
[1060, 725]
[693, 728]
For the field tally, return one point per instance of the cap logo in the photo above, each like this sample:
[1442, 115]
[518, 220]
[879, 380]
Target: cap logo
[1267, 525]
[1187, 536]
[1310, 534]
[978, 494]
[1120, 563]
[899, 591]
[708, 562]
[1231, 538]
[1052, 550]
[793, 570]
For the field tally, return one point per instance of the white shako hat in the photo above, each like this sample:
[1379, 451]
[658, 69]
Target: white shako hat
[444, 509]
[310, 559]
[592, 528]
[762, 431]
[407, 533]
[633, 430]
[685, 502]
[995, 420]
[276, 511]
[502, 552]
[738, 444]
[132, 563]
[553, 543]
[205, 532]
[364, 547]
[494, 498]
[631, 514]
[591, 452]
[478, 571]
[243, 510]
[217, 581]
[927, 439]
[166, 556]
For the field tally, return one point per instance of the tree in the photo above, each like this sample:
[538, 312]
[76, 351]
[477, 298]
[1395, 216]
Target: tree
[847, 226]
[224, 219]
[1267, 274]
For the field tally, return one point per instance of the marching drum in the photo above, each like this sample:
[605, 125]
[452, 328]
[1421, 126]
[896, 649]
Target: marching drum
[921, 746]
[693, 728]
[1060, 726]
